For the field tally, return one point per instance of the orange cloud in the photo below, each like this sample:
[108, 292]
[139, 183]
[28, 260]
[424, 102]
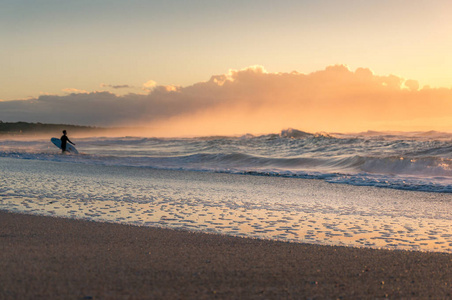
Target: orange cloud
[253, 100]
[149, 85]
[334, 99]
[74, 91]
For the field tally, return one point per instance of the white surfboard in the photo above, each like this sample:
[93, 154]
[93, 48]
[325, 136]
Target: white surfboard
[69, 147]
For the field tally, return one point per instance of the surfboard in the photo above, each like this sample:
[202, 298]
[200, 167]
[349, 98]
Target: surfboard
[69, 147]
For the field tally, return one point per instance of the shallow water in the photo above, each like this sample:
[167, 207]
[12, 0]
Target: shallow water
[289, 209]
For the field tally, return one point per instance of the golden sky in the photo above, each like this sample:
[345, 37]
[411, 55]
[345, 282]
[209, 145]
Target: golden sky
[253, 100]
[162, 57]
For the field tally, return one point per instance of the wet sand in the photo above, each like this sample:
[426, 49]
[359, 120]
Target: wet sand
[56, 258]
[287, 209]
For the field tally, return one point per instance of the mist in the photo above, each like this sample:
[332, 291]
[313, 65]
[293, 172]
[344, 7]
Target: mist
[255, 101]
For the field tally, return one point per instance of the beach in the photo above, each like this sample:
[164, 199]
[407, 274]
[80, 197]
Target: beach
[278, 208]
[57, 258]
[128, 223]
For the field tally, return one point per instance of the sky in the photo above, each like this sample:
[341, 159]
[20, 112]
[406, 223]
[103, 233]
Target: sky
[154, 63]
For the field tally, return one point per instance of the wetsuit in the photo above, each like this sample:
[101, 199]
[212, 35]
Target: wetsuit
[64, 139]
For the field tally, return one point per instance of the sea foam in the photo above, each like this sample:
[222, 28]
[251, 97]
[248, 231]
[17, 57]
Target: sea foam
[420, 161]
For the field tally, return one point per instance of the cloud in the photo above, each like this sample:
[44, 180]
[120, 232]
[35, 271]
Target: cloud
[74, 91]
[256, 101]
[412, 84]
[149, 85]
[119, 86]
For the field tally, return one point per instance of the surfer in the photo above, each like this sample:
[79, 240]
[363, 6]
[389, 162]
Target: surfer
[64, 139]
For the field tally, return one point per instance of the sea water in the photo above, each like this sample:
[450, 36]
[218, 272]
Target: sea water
[382, 190]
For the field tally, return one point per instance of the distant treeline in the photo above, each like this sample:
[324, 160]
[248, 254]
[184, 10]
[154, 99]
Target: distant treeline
[25, 128]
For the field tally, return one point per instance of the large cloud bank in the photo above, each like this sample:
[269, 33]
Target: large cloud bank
[254, 101]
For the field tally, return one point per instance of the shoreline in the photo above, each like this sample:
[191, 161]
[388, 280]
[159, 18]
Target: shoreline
[297, 210]
[58, 258]
[220, 234]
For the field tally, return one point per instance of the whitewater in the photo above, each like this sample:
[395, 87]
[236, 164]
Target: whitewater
[382, 190]
[408, 161]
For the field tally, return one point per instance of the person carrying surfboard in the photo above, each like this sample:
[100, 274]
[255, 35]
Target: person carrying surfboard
[64, 139]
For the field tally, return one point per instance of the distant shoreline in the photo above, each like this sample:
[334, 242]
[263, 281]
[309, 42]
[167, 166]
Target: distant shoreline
[29, 129]
[26, 128]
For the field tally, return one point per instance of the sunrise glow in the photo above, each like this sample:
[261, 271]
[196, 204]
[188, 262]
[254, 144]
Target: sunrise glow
[197, 68]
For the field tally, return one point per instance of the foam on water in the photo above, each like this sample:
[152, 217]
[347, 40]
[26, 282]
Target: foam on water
[409, 161]
[289, 209]
[361, 190]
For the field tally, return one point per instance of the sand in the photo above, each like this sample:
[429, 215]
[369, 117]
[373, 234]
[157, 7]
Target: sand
[56, 258]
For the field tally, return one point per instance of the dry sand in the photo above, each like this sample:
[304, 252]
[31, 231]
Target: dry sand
[54, 258]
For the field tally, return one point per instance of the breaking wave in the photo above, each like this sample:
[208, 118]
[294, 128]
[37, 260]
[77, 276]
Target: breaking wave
[420, 161]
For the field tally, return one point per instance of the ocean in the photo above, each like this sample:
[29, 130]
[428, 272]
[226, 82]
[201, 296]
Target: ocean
[374, 189]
